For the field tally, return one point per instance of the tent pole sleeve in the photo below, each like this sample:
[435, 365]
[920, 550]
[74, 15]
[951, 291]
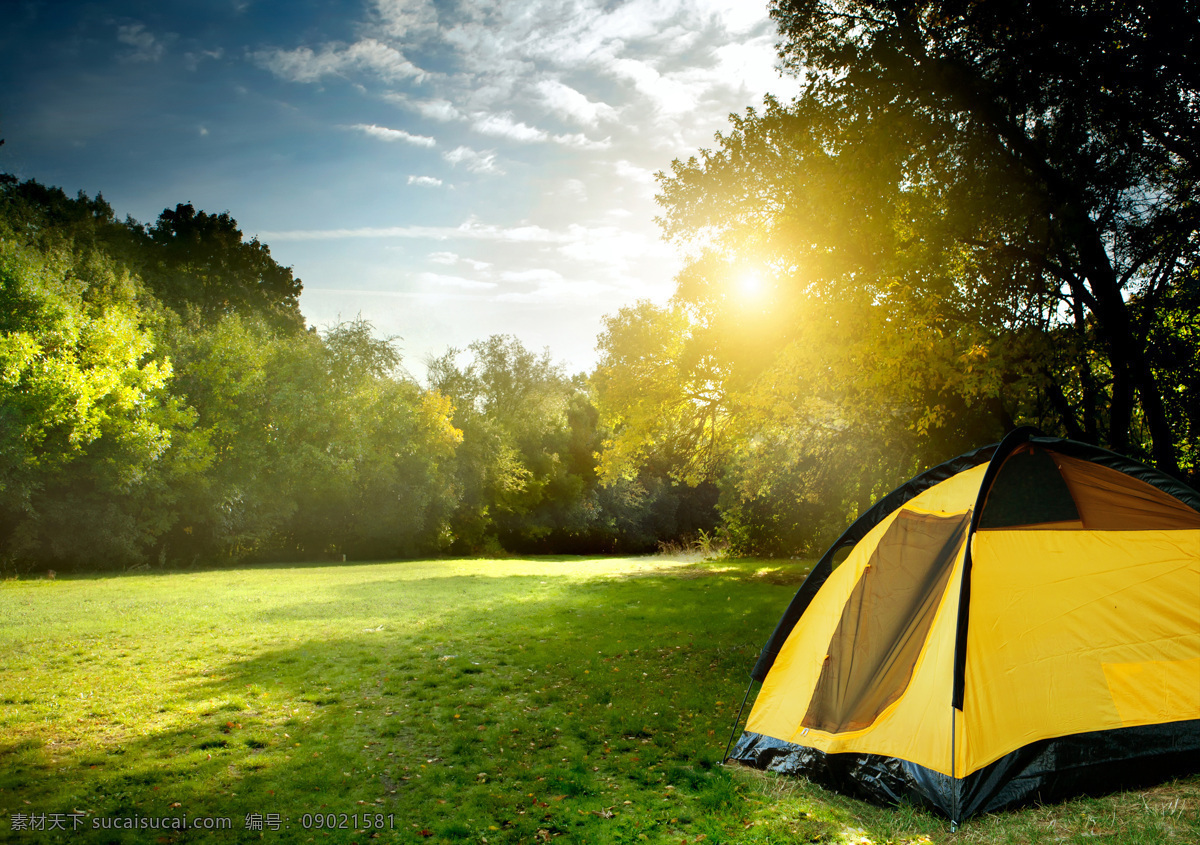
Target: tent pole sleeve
[1015, 438]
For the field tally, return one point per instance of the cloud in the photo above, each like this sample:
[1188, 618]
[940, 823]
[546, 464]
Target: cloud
[670, 95]
[535, 276]
[385, 134]
[145, 46]
[440, 110]
[425, 181]
[565, 101]
[613, 247]
[574, 190]
[192, 60]
[369, 55]
[554, 291]
[628, 170]
[503, 126]
[404, 18]
[470, 229]
[473, 160]
[452, 258]
[382, 59]
[440, 280]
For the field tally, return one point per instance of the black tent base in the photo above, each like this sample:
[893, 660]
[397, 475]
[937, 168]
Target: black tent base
[1051, 770]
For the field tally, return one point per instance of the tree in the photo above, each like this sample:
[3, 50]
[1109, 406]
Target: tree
[665, 396]
[973, 214]
[511, 405]
[209, 427]
[86, 420]
[1089, 109]
[201, 261]
[318, 446]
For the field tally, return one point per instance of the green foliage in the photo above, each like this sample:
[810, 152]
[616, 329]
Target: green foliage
[180, 415]
[85, 420]
[200, 261]
[161, 404]
[527, 471]
[973, 216]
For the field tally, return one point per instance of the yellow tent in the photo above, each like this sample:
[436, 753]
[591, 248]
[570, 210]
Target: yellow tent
[1021, 622]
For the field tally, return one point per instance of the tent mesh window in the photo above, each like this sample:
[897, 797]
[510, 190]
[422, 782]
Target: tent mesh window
[885, 621]
[1040, 489]
[1029, 491]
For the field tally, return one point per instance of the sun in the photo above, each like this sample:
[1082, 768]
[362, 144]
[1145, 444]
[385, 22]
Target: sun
[750, 284]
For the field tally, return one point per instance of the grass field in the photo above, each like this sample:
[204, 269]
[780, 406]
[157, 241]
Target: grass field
[491, 701]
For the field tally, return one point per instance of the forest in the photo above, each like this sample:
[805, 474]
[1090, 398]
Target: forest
[163, 403]
[974, 216]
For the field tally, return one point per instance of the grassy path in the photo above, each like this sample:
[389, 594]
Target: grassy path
[465, 701]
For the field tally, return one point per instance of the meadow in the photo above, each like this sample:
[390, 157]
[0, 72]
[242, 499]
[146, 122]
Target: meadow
[492, 701]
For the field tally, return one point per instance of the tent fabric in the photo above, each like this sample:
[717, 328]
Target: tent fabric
[1109, 500]
[885, 621]
[857, 530]
[1033, 602]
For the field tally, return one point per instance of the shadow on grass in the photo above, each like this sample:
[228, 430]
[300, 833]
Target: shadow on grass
[518, 706]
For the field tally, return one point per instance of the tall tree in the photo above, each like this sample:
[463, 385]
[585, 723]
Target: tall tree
[973, 207]
[1093, 109]
[86, 421]
[202, 261]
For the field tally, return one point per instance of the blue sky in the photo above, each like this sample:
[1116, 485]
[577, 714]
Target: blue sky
[447, 170]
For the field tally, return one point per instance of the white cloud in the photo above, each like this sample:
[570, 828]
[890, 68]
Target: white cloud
[440, 110]
[368, 55]
[452, 258]
[738, 15]
[192, 60]
[559, 290]
[385, 134]
[301, 64]
[145, 46]
[580, 141]
[440, 280]
[425, 181]
[473, 160]
[404, 18]
[612, 247]
[574, 190]
[503, 126]
[669, 94]
[388, 62]
[628, 170]
[567, 102]
[535, 276]
[470, 229]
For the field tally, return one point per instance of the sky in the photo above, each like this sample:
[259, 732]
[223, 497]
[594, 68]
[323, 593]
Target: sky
[446, 170]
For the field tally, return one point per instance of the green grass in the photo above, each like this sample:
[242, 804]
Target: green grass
[491, 701]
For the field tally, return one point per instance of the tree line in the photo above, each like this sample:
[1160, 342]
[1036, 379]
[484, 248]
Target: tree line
[163, 403]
